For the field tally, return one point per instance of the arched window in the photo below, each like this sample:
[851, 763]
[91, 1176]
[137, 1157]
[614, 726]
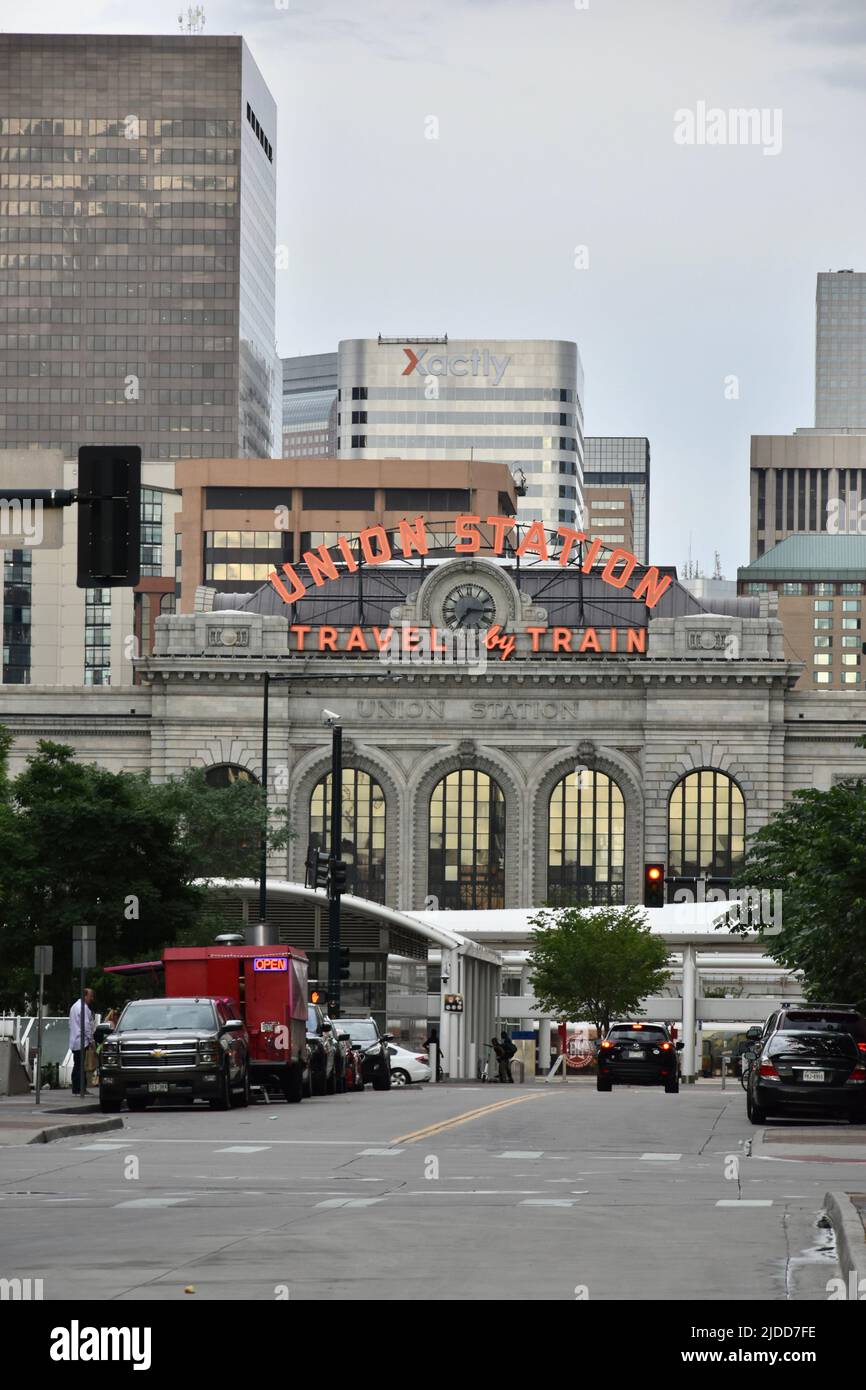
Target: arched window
[362, 838]
[466, 861]
[586, 840]
[224, 774]
[706, 827]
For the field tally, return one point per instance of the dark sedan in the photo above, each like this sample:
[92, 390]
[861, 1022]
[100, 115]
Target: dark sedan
[810, 1074]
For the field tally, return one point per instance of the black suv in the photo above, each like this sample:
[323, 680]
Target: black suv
[638, 1053]
[365, 1035]
[180, 1049]
[819, 1018]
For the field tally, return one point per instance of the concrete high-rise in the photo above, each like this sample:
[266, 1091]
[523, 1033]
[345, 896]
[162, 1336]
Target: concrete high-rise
[840, 350]
[508, 401]
[137, 232]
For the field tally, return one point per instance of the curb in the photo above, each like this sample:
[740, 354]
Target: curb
[850, 1235]
[45, 1136]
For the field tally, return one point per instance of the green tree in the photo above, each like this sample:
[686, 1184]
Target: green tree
[813, 852]
[80, 844]
[595, 963]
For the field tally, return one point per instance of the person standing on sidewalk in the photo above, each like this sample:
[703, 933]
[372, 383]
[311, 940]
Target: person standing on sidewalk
[510, 1050]
[75, 1036]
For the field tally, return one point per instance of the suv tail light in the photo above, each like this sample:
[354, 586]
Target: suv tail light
[862, 1046]
[858, 1075]
[768, 1071]
[666, 1046]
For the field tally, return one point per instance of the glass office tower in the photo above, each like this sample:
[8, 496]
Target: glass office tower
[614, 463]
[137, 231]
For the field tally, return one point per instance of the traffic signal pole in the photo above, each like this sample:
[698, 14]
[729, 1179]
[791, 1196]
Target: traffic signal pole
[334, 959]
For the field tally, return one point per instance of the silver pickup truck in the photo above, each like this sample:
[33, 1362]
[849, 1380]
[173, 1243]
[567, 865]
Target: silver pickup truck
[174, 1049]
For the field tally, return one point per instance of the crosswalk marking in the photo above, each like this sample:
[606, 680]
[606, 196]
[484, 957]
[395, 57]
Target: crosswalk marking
[244, 1149]
[148, 1202]
[744, 1202]
[349, 1202]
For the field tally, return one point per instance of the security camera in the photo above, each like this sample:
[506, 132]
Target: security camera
[329, 718]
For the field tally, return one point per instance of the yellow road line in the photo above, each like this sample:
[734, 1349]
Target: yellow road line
[462, 1119]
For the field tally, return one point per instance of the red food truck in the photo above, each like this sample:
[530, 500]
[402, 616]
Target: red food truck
[268, 985]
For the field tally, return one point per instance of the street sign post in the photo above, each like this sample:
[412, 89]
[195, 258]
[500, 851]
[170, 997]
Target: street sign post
[83, 956]
[43, 964]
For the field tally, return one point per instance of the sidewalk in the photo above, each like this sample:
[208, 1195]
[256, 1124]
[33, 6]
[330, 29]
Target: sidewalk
[60, 1115]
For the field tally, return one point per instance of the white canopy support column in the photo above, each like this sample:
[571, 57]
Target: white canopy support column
[689, 986]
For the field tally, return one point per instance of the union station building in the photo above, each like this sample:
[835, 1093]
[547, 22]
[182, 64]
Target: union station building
[515, 731]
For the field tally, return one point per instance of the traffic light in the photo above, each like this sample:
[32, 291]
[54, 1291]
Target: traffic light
[344, 962]
[321, 869]
[338, 876]
[109, 516]
[654, 885]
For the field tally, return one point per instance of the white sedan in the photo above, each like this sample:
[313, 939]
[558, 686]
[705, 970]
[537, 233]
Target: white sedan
[408, 1067]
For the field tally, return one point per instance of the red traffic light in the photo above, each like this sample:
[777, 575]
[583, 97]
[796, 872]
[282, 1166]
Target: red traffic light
[654, 885]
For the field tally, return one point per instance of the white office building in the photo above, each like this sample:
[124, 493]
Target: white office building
[510, 401]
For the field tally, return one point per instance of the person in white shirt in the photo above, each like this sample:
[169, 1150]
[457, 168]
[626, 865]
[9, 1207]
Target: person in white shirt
[75, 1036]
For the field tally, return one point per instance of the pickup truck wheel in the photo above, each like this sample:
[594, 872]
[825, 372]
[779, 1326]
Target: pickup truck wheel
[109, 1105]
[293, 1084]
[136, 1102]
[242, 1099]
[331, 1083]
[224, 1099]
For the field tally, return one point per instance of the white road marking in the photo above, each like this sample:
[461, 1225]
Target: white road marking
[545, 1202]
[148, 1202]
[98, 1148]
[244, 1149]
[744, 1202]
[379, 1153]
[661, 1158]
[521, 1153]
[349, 1202]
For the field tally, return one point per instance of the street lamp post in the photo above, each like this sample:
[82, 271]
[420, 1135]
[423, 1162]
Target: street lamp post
[335, 855]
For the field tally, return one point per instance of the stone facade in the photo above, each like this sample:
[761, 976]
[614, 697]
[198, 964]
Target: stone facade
[713, 691]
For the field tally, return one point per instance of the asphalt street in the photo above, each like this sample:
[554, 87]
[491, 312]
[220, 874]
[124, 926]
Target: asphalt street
[533, 1192]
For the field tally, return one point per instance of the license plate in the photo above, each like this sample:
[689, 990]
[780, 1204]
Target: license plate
[637, 1053]
[157, 1085]
[813, 1076]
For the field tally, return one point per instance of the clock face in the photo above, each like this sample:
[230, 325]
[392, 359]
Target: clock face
[468, 605]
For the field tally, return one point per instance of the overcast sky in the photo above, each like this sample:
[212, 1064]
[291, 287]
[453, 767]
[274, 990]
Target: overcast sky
[556, 131]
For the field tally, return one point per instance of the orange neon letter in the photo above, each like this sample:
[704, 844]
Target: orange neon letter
[466, 527]
[413, 537]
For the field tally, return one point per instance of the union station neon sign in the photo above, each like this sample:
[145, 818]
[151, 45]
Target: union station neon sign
[410, 539]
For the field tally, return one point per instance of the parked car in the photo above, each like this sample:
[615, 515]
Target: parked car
[349, 1063]
[365, 1034]
[325, 1065]
[180, 1049]
[807, 1072]
[408, 1067]
[638, 1053]
[354, 1063]
[835, 1018]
